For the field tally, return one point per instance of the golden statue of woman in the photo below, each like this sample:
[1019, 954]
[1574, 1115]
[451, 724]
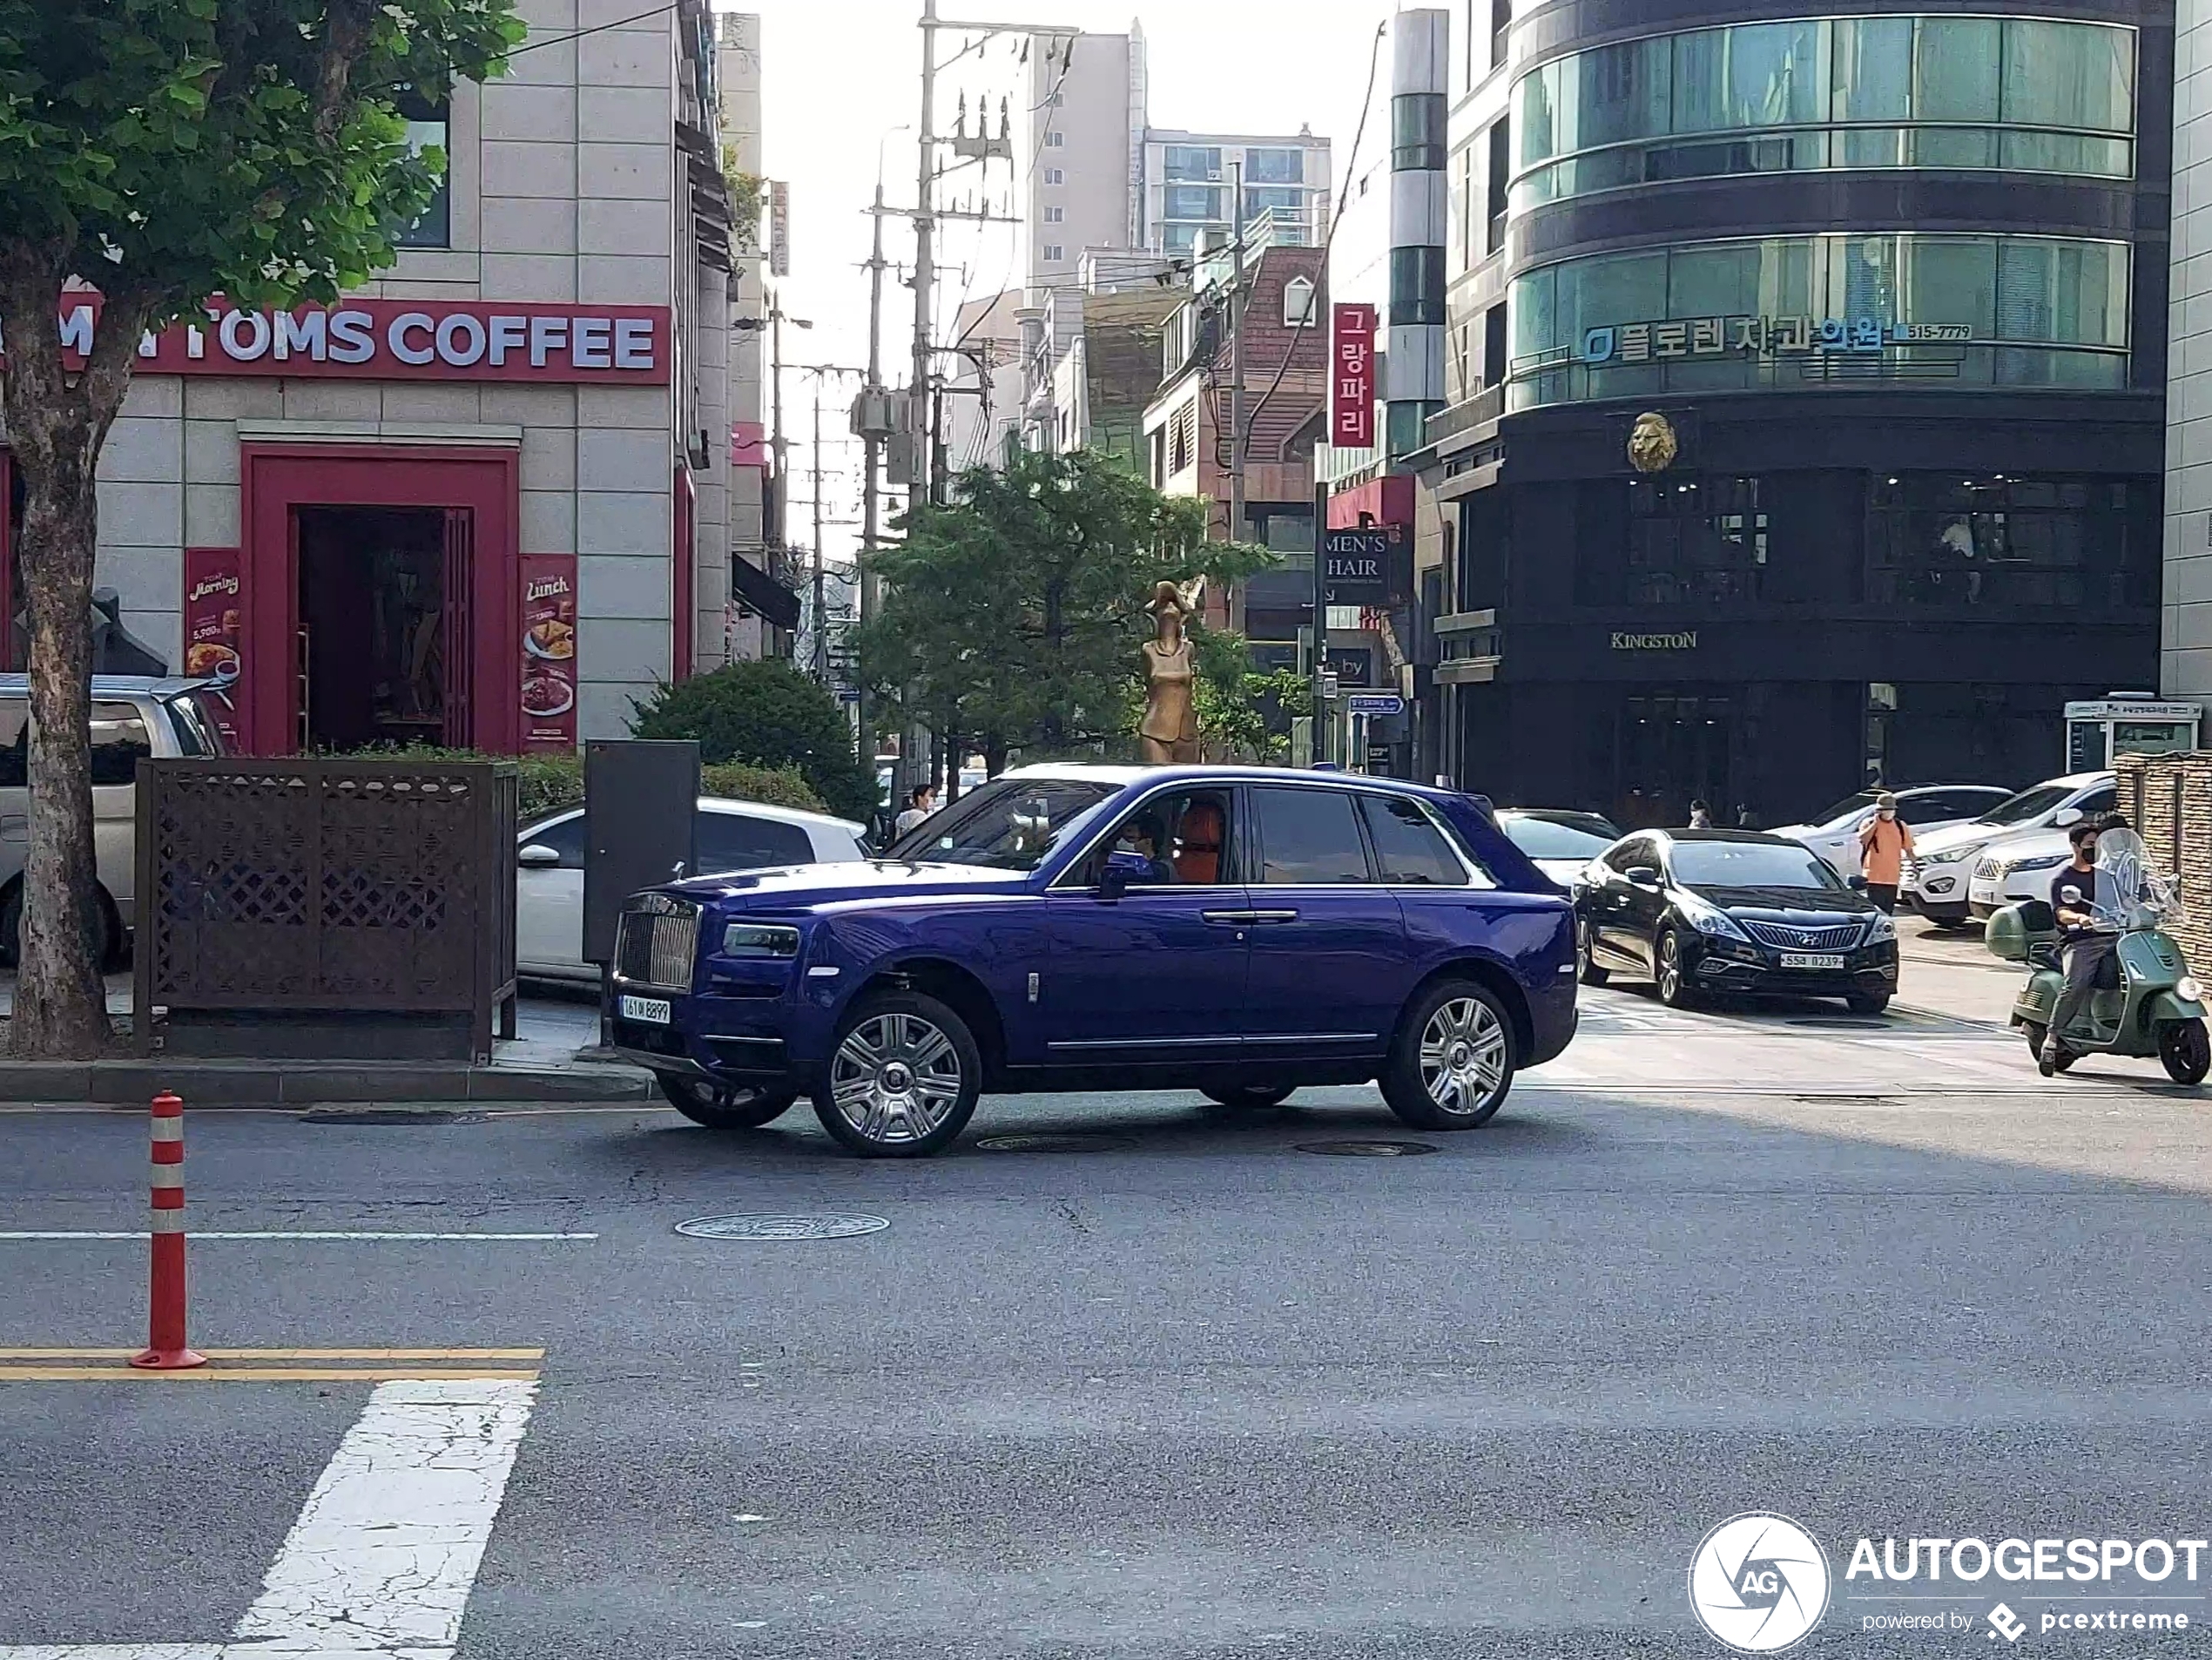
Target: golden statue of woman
[1169, 734]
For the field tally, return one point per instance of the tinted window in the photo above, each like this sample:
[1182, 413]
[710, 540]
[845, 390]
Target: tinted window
[1750, 864]
[1184, 834]
[1629, 854]
[15, 739]
[1309, 836]
[1408, 847]
[2099, 801]
[2029, 804]
[118, 738]
[1926, 809]
[1010, 824]
[1548, 838]
[738, 841]
[564, 836]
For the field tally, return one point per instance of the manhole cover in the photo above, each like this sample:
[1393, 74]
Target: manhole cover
[390, 1116]
[1042, 1143]
[1366, 1149]
[780, 1227]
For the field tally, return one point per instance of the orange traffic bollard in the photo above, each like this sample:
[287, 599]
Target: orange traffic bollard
[165, 1349]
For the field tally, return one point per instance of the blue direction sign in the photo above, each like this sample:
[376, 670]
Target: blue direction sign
[1376, 703]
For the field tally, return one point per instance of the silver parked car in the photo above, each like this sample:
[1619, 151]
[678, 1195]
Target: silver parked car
[132, 715]
[729, 835]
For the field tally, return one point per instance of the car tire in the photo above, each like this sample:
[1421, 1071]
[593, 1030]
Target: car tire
[902, 1078]
[1674, 990]
[1585, 962]
[108, 949]
[1867, 1003]
[724, 1108]
[1248, 1097]
[2185, 1051]
[1451, 1062]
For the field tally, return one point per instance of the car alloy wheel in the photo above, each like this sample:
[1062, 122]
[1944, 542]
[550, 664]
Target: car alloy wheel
[1674, 987]
[1463, 1055]
[903, 1078]
[1586, 965]
[1452, 1059]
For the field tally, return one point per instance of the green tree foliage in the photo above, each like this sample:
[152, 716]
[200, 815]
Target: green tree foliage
[165, 152]
[765, 714]
[1244, 715]
[1016, 615]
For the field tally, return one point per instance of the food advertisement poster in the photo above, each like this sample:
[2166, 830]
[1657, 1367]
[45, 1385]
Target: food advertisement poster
[548, 652]
[214, 634]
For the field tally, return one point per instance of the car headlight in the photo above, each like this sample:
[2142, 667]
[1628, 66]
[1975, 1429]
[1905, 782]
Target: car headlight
[1882, 928]
[759, 940]
[1951, 855]
[2188, 990]
[2048, 861]
[1709, 918]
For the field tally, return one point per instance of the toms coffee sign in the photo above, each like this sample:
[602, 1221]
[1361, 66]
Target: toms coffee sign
[1684, 641]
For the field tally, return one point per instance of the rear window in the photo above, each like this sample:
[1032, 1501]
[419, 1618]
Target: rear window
[739, 842]
[1408, 846]
[1309, 836]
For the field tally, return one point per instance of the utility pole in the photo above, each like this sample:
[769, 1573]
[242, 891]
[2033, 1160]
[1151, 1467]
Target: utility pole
[821, 609]
[925, 231]
[871, 498]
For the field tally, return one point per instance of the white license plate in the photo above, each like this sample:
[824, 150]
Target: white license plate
[1811, 960]
[654, 1009]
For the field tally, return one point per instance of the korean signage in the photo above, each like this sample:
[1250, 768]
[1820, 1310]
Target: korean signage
[778, 229]
[1366, 567]
[215, 633]
[548, 652]
[1707, 337]
[1352, 377]
[401, 340]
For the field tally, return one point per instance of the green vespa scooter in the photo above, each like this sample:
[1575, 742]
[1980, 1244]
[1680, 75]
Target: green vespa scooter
[2158, 1007]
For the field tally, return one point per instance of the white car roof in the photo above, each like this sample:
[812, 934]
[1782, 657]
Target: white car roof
[750, 809]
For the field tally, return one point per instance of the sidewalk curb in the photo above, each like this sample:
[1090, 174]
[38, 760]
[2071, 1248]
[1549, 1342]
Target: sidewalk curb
[261, 1083]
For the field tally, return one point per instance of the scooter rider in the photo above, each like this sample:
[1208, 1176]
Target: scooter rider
[2089, 949]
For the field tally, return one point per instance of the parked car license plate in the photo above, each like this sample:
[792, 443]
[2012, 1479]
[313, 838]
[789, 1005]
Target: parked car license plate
[1801, 960]
[655, 1009]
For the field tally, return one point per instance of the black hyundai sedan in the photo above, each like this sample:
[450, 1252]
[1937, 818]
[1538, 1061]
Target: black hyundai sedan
[1699, 911]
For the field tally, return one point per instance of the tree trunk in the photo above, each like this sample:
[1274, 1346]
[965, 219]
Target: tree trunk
[57, 420]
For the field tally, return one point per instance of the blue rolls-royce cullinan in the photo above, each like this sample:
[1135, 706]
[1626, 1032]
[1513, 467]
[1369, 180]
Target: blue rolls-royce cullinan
[1241, 931]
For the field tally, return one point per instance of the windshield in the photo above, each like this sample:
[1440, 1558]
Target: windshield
[1750, 864]
[1548, 838]
[1857, 802]
[1010, 824]
[197, 732]
[2029, 804]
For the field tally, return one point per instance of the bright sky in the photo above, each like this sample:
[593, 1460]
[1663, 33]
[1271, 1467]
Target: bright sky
[839, 77]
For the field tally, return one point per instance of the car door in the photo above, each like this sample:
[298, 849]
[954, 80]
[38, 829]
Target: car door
[1155, 975]
[548, 904]
[729, 838]
[1613, 903]
[1330, 964]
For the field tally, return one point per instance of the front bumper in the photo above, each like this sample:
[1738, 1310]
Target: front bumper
[1937, 889]
[1868, 970]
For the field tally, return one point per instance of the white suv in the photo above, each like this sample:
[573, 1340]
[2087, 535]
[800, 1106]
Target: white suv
[1939, 880]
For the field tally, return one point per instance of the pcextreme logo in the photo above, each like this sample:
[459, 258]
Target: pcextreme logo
[1759, 1583]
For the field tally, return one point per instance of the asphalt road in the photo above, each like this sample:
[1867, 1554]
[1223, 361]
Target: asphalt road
[1189, 1392]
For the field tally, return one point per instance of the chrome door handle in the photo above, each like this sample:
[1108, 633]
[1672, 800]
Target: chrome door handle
[1238, 919]
[1272, 916]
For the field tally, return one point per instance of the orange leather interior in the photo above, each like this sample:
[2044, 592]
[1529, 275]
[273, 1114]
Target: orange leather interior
[1198, 845]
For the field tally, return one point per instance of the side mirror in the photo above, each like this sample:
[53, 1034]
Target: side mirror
[2066, 818]
[1642, 876]
[536, 856]
[1857, 884]
[1123, 870]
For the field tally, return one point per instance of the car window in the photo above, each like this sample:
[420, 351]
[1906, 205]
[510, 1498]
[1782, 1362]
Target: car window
[1309, 836]
[1408, 846]
[15, 743]
[1009, 825]
[2029, 804]
[1750, 864]
[1917, 810]
[2104, 798]
[119, 737]
[1184, 832]
[1550, 838]
[1639, 850]
[564, 836]
[1850, 805]
[739, 842]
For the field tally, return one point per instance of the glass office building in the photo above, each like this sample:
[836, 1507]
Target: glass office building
[1894, 288]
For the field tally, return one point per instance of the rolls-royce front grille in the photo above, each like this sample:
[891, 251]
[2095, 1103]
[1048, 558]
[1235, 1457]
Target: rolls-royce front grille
[657, 943]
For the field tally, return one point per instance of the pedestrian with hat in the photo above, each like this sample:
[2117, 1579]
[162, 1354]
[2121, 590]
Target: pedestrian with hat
[1885, 843]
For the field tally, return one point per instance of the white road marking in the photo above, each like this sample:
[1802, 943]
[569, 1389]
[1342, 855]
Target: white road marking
[381, 1561]
[285, 1233]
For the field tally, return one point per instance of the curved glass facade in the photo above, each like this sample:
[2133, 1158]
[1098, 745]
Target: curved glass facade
[1845, 309]
[2017, 94]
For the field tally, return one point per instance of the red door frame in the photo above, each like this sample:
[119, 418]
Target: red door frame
[274, 479]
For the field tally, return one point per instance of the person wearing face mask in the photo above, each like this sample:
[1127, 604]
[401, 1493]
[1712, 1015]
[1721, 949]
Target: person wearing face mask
[2089, 949]
[1884, 842]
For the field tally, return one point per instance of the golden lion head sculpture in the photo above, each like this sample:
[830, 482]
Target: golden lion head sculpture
[1652, 446]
